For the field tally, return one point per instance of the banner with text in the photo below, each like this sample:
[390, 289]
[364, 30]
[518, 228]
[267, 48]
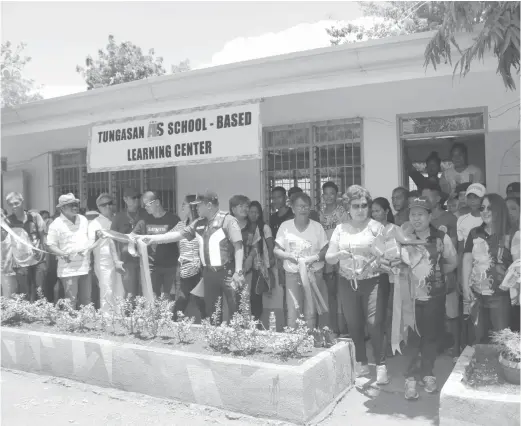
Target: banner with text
[198, 136]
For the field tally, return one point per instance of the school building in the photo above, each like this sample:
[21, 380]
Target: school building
[345, 113]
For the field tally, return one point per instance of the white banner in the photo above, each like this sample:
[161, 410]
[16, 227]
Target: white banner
[215, 134]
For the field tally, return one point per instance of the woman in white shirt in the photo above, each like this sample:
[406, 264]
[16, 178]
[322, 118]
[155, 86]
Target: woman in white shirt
[304, 239]
[461, 171]
[362, 289]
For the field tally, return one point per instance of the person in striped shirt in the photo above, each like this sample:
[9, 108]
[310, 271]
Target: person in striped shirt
[189, 262]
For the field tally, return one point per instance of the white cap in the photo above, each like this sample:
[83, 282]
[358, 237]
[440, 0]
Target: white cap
[476, 189]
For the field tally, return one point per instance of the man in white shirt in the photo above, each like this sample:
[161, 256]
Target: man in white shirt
[110, 283]
[68, 239]
[466, 222]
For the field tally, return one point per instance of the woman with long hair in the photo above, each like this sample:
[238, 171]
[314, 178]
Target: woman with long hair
[513, 214]
[258, 254]
[189, 263]
[381, 212]
[302, 244]
[362, 289]
[485, 260]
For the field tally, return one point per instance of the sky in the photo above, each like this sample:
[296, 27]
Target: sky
[59, 35]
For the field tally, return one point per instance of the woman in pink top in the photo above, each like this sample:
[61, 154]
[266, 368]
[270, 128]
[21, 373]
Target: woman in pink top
[362, 289]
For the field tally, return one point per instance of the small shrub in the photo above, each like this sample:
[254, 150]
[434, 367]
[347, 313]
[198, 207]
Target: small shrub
[508, 343]
[81, 320]
[45, 311]
[183, 328]
[294, 342]
[16, 309]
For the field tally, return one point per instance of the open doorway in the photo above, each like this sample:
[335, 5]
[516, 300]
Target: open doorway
[424, 133]
[419, 149]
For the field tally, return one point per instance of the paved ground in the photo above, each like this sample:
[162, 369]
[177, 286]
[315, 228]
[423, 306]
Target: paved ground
[29, 399]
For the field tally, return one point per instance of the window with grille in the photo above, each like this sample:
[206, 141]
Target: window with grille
[70, 175]
[308, 155]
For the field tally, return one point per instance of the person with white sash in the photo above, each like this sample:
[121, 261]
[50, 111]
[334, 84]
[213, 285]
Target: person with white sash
[109, 280]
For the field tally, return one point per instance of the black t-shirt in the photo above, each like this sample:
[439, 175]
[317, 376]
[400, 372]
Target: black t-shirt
[276, 220]
[124, 222]
[160, 255]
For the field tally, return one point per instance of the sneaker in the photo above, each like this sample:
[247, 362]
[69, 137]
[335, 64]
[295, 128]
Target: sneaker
[430, 384]
[382, 378]
[363, 370]
[411, 394]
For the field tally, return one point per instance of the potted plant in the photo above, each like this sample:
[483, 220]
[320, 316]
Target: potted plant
[509, 345]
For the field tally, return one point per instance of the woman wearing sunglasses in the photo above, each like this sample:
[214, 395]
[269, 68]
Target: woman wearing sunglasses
[485, 260]
[110, 284]
[362, 290]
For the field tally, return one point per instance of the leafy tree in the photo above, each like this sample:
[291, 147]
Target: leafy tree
[181, 67]
[15, 88]
[120, 64]
[388, 19]
[499, 33]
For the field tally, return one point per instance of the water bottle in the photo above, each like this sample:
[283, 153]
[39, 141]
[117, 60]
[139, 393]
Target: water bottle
[273, 322]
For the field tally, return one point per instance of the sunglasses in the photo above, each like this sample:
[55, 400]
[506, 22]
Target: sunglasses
[72, 205]
[110, 203]
[150, 203]
[485, 208]
[359, 206]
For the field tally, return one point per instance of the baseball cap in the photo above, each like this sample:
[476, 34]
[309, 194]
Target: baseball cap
[131, 192]
[422, 202]
[462, 187]
[104, 199]
[206, 197]
[476, 189]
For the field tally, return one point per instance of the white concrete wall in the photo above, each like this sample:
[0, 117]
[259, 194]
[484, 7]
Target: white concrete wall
[377, 104]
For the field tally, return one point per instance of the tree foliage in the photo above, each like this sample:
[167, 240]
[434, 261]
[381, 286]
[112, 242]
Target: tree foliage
[499, 33]
[121, 63]
[499, 30]
[16, 89]
[388, 19]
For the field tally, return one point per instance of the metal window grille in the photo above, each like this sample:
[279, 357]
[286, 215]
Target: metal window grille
[70, 175]
[308, 155]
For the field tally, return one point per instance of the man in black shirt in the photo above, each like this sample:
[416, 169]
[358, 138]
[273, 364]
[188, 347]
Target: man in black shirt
[162, 258]
[283, 212]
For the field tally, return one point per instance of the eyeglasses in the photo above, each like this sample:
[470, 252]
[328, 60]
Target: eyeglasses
[303, 207]
[110, 203]
[485, 208]
[150, 203]
[359, 206]
[72, 205]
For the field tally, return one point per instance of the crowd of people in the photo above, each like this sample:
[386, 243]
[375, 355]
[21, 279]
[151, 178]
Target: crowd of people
[454, 244]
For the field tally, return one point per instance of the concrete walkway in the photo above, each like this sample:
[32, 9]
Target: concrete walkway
[29, 399]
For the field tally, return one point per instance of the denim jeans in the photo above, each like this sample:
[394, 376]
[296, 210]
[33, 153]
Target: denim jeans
[31, 278]
[183, 296]
[217, 283]
[367, 305]
[78, 289]
[331, 279]
[429, 315]
[131, 278]
[295, 293]
[494, 314]
[162, 280]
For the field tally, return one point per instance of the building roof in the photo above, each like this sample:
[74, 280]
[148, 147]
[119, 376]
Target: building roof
[370, 62]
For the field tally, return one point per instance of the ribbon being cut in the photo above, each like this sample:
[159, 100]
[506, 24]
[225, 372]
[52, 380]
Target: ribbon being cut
[388, 256]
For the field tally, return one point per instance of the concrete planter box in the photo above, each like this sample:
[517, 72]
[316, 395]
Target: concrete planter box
[292, 393]
[464, 405]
